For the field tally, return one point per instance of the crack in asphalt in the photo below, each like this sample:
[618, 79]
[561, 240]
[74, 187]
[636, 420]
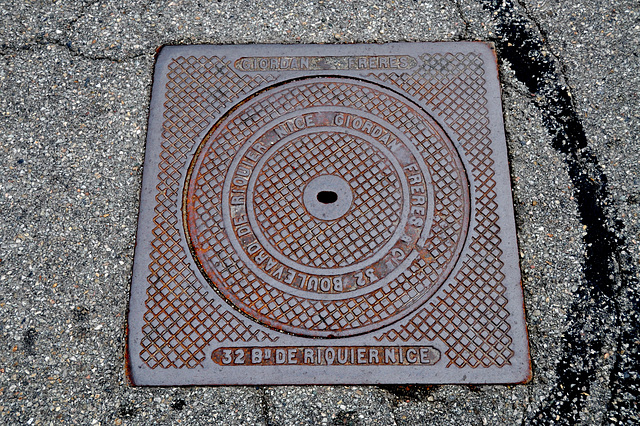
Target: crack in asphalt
[539, 27]
[467, 26]
[83, 12]
[394, 418]
[44, 40]
[264, 405]
[40, 43]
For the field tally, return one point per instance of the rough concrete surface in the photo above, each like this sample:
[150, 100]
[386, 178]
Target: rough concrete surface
[74, 92]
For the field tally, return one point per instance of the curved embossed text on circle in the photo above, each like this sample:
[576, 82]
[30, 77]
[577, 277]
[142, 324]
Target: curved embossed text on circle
[250, 240]
[234, 157]
[294, 235]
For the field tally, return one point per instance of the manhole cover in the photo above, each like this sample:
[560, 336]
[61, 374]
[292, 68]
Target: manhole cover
[326, 214]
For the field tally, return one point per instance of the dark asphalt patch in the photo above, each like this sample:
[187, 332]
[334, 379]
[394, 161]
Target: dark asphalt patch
[605, 270]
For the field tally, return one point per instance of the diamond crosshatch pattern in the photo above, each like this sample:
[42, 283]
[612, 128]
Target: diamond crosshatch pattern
[354, 312]
[425, 249]
[180, 321]
[471, 319]
[323, 244]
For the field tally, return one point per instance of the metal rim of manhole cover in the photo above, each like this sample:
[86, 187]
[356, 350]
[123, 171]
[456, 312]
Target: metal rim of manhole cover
[342, 209]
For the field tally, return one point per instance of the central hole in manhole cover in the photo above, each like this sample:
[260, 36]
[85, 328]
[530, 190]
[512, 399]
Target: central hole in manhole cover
[327, 197]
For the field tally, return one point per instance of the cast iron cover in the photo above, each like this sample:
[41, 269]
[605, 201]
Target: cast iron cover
[326, 214]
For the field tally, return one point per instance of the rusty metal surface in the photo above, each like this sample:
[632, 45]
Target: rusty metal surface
[326, 214]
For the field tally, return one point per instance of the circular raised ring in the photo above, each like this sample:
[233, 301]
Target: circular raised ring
[367, 231]
[326, 207]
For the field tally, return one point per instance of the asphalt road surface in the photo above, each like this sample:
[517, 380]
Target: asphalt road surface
[75, 81]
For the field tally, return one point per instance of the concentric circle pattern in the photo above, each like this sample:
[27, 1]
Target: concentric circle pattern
[365, 228]
[386, 238]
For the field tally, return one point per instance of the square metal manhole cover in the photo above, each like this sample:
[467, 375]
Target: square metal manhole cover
[325, 215]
